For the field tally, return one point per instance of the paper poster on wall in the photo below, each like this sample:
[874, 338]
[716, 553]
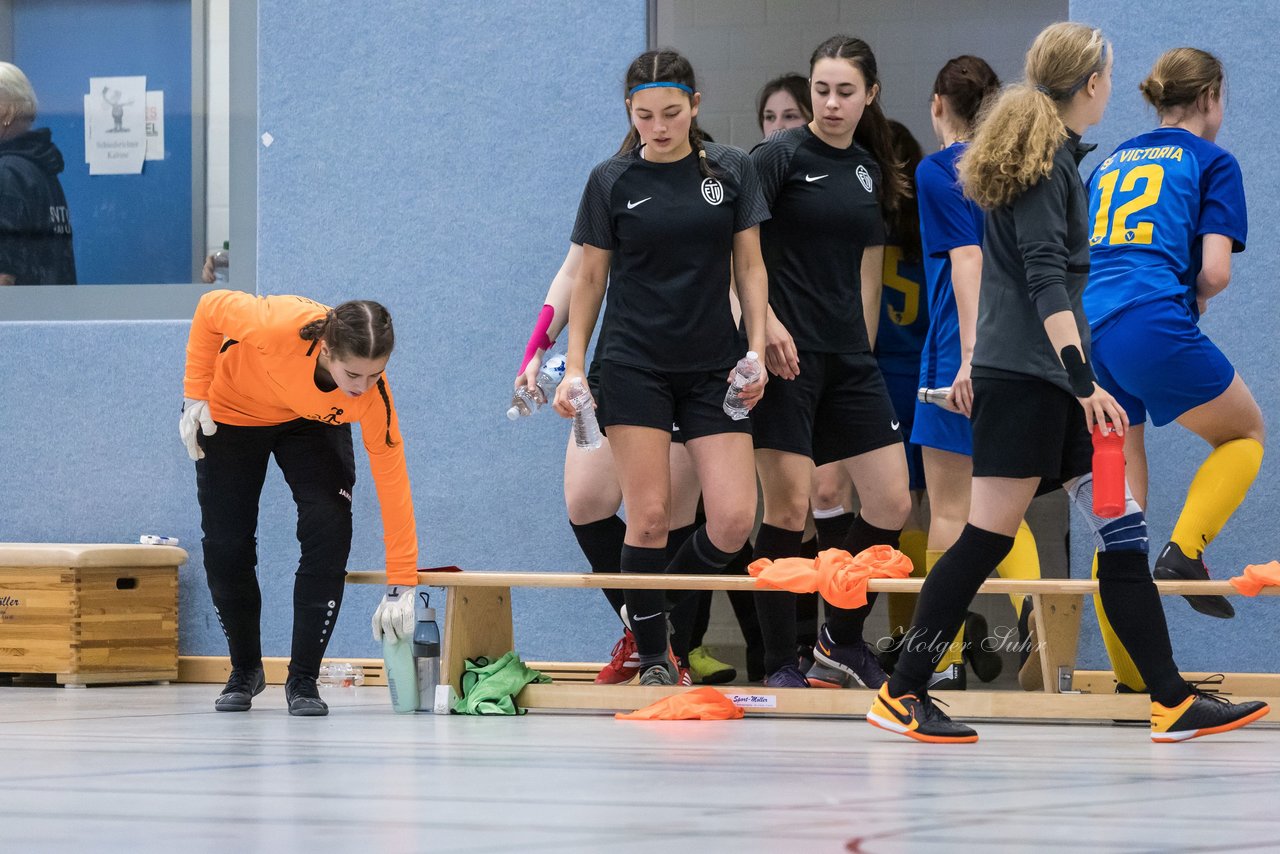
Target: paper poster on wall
[115, 119]
[155, 125]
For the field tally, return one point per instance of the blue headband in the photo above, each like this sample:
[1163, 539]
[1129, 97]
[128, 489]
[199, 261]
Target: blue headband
[662, 84]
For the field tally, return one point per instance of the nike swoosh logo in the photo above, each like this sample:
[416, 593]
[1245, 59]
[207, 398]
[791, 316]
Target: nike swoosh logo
[893, 425]
[812, 178]
[631, 205]
[639, 619]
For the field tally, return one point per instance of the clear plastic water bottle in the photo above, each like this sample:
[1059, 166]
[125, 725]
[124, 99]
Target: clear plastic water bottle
[937, 396]
[747, 372]
[341, 674]
[586, 430]
[426, 654]
[402, 673]
[222, 263]
[525, 402]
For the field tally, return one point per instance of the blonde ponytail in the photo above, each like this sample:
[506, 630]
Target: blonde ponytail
[1018, 134]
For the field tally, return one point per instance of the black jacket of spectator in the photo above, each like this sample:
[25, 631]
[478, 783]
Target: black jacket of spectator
[35, 227]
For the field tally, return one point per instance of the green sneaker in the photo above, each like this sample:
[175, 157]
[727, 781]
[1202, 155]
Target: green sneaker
[707, 670]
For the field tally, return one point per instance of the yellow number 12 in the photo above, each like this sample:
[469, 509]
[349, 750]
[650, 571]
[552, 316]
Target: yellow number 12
[1121, 232]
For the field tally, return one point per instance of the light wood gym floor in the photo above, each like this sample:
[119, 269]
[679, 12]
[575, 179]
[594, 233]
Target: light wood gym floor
[154, 768]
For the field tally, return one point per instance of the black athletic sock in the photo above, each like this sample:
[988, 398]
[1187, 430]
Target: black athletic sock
[601, 542]
[743, 603]
[1133, 606]
[697, 555]
[316, 601]
[682, 605]
[646, 608]
[833, 530]
[776, 609]
[846, 625]
[807, 603]
[943, 604]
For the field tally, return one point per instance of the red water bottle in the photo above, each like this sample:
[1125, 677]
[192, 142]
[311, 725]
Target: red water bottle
[1108, 471]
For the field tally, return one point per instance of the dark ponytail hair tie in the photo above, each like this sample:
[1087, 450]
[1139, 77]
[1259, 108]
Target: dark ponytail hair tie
[1044, 90]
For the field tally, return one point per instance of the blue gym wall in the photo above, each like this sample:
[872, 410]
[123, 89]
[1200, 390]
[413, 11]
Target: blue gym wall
[1241, 321]
[431, 156]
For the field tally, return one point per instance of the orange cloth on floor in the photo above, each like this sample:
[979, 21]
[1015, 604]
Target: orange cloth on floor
[700, 704]
[840, 578]
[1257, 576]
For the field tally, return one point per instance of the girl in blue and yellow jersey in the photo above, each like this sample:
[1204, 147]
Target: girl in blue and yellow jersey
[1167, 211]
[1035, 398]
[951, 238]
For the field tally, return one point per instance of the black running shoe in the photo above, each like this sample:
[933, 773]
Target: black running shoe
[303, 698]
[241, 688]
[1200, 714]
[1173, 565]
[857, 661]
[986, 663]
[917, 717]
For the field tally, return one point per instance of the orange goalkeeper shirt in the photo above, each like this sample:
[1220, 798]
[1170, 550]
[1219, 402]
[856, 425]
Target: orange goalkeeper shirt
[245, 357]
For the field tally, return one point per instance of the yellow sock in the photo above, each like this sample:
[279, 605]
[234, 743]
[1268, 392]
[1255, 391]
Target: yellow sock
[1121, 664]
[955, 652]
[903, 605]
[1022, 562]
[1215, 493]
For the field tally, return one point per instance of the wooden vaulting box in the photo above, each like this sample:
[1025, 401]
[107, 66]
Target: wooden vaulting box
[89, 613]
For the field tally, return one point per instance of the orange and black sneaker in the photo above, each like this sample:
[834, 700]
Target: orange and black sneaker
[1202, 714]
[916, 716]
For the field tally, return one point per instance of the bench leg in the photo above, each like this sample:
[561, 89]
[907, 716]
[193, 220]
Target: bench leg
[1057, 617]
[477, 621]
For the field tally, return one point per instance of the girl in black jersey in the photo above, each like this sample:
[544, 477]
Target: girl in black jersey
[828, 185]
[665, 224]
[592, 495]
[1035, 399]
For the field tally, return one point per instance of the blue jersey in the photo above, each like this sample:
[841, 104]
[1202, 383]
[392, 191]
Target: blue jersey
[947, 221]
[1149, 204]
[904, 313]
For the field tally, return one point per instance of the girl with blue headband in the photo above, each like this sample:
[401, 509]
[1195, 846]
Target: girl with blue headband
[670, 224]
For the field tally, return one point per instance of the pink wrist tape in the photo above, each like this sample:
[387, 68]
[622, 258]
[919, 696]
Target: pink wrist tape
[538, 340]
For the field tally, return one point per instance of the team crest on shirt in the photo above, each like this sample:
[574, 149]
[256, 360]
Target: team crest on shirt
[864, 178]
[712, 191]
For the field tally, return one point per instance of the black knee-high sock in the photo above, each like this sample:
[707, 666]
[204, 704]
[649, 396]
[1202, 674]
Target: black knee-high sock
[743, 603]
[697, 556]
[807, 603]
[833, 530]
[944, 601]
[646, 608]
[316, 601]
[683, 604]
[777, 608]
[845, 625]
[1132, 604]
[601, 542]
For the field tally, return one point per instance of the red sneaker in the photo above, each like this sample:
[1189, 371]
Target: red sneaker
[624, 664]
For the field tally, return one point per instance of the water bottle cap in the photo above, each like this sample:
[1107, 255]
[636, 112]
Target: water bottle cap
[513, 414]
[753, 356]
[428, 615]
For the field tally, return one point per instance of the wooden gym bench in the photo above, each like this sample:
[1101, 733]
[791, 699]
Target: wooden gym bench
[477, 622]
